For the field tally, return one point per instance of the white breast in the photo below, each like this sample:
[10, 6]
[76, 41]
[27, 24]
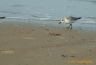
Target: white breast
[66, 20]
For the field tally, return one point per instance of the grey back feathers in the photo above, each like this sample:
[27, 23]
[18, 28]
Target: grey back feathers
[71, 18]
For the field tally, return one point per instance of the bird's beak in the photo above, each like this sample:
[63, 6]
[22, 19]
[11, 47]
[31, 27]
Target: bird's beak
[59, 23]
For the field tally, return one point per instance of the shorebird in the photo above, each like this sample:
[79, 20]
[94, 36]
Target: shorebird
[69, 20]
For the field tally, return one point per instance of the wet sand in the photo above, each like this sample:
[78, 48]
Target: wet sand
[25, 44]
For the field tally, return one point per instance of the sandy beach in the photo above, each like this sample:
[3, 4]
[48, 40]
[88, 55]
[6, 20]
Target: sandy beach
[25, 44]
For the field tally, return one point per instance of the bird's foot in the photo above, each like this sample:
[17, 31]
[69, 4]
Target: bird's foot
[68, 28]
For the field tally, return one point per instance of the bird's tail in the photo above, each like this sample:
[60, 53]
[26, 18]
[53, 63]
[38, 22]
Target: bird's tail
[79, 18]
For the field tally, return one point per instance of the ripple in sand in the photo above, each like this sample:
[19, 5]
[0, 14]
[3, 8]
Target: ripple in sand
[29, 38]
[54, 34]
[7, 51]
[82, 61]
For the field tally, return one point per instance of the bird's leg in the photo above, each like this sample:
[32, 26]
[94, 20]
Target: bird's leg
[70, 26]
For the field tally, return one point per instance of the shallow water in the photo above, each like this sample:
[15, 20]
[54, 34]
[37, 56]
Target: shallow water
[49, 10]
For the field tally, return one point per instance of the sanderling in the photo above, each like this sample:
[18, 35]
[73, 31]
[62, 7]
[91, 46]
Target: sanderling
[69, 20]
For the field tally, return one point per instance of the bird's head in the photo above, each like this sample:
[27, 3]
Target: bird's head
[61, 21]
